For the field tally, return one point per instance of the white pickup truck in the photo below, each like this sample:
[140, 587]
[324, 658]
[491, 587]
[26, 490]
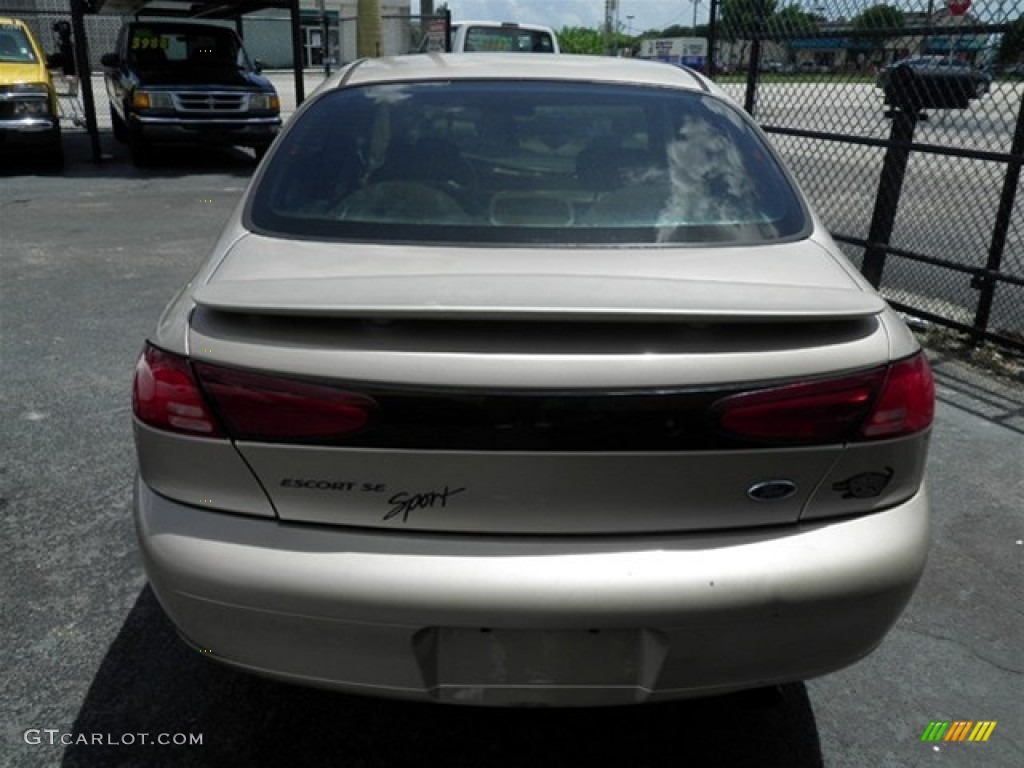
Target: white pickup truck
[496, 37]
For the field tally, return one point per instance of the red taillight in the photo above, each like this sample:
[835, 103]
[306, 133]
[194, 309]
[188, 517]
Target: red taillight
[168, 395]
[260, 407]
[165, 395]
[884, 402]
[907, 402]
[818, 411]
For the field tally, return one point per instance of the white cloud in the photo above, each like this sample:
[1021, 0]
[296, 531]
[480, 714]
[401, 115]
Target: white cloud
[647, 14]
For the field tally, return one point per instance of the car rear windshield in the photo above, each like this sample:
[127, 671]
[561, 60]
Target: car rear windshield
[524, 162]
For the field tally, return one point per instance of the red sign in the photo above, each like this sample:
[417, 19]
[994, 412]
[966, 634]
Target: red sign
[958, 7]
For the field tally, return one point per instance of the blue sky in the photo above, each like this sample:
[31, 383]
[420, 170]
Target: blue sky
[647, 14]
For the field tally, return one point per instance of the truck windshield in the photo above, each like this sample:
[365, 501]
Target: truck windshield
[508, 39]
[165, 45]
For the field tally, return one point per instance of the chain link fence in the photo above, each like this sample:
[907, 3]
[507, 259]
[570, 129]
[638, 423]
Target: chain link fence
[903, 124]
[922, 198]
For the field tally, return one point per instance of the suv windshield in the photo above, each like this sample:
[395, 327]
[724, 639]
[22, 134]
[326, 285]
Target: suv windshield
[180, 45]
[15, 46]
[524, 162]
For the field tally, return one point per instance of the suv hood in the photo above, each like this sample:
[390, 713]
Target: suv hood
[208, 78]
[12, 73]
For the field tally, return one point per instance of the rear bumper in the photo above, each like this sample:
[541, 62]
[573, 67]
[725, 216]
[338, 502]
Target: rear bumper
[562, 621]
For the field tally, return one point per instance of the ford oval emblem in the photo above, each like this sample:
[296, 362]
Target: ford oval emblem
[772, 490]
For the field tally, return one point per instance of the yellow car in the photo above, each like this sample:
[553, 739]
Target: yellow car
[28, 103]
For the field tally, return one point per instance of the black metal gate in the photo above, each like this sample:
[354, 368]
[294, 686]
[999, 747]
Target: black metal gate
[906, 130]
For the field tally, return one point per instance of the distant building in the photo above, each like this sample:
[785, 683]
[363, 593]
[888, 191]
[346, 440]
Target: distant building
[835, 48]
[267, 34]
[681, 51]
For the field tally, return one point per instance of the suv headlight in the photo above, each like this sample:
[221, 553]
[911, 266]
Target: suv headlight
[28, 99]
[152, 100]
[265, 101]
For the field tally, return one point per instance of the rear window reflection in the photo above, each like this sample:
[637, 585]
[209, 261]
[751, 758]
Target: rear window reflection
[519, 162]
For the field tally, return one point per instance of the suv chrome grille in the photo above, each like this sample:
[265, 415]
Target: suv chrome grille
[210, 101]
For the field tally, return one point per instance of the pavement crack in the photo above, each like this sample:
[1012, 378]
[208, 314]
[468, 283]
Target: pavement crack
[964, 646]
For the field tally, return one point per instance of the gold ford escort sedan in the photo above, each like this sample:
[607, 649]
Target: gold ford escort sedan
[530, 380]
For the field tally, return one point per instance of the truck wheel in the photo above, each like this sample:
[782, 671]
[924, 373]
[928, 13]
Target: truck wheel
[120, 129]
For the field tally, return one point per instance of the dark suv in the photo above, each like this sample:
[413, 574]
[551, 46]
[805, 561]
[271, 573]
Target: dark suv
[176, 82]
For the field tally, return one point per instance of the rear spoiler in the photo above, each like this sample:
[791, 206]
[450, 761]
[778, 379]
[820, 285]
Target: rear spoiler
[537, 297]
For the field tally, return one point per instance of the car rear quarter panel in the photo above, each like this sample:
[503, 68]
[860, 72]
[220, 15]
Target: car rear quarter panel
[199, 471]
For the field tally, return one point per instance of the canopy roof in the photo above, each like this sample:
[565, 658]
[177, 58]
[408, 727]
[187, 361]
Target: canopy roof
[222, 9]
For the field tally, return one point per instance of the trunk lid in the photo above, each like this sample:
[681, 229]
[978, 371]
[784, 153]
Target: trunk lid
[526, 391]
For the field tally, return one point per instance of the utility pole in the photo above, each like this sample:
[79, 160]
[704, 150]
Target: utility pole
[611, 7]
[325, 39]
[368, 25]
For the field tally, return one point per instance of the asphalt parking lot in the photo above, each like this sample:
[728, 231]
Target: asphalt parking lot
[87, 261]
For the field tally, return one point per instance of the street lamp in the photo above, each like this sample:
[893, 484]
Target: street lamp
[629, 24]
[695, 4]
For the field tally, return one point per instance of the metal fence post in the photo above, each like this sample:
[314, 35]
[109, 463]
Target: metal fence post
[298, 58]
[712, 35]
[986, 283]
[890, 186]
[78, 9]
[754, 65]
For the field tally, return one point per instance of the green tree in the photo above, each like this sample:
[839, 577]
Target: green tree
[581, 40]
[886, 20]
[742, 18]
[792, 21]
[789, 24]
[879, 17]
[745, 20]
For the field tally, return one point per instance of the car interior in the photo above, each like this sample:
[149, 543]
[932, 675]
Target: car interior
[524, 163]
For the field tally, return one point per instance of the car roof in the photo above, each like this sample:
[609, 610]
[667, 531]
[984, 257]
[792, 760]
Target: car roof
[11, 21]
[521, 66]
